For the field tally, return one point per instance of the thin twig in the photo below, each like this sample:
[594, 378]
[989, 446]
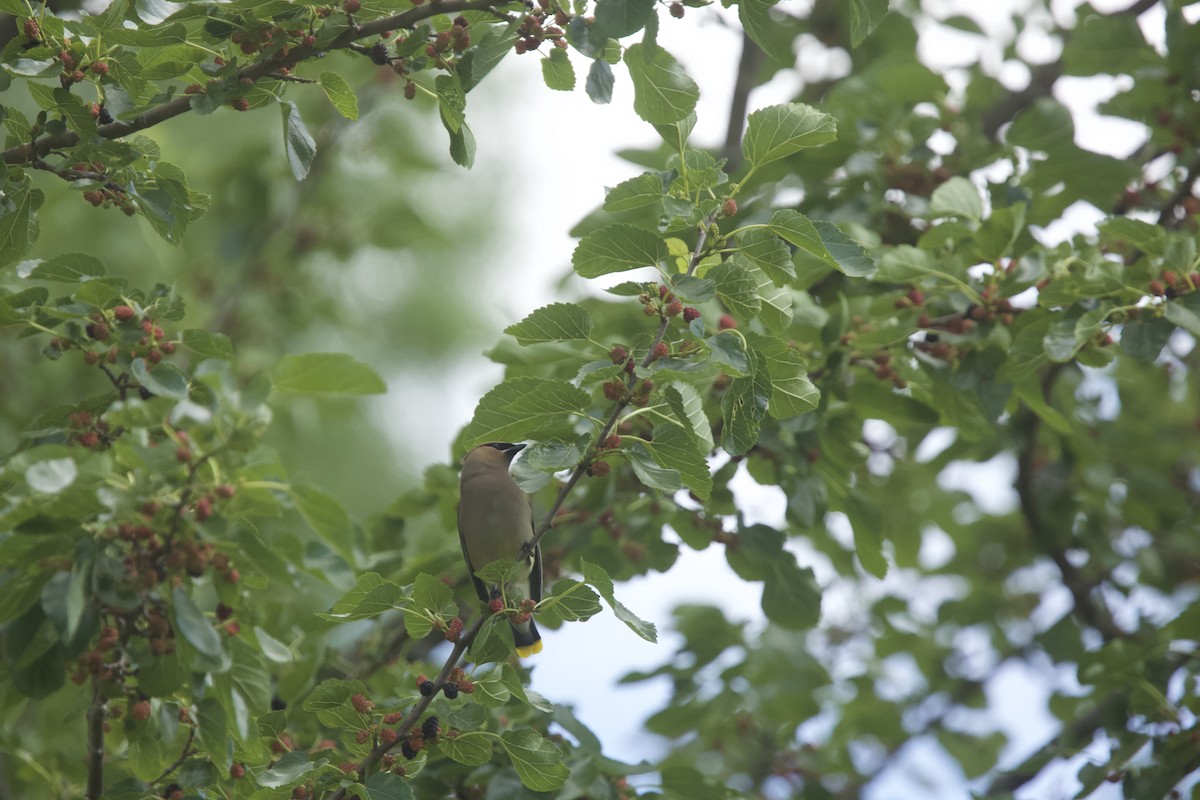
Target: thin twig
[179, 105]
[95, 743]
[183, 756]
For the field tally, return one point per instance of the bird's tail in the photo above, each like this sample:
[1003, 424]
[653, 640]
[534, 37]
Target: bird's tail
[526, 638]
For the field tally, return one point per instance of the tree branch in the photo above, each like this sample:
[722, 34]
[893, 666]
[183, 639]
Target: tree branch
[748, 67]
[1166, 217]
[183, 756]
[95, 743]
[260, 69]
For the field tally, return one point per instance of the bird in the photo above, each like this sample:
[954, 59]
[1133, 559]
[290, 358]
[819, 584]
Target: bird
[494, 522]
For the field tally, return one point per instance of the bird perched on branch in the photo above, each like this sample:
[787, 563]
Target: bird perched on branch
[494, 521]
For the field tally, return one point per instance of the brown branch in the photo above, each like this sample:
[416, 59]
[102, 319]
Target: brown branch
[1041, 83]
[1138, 8]
[1166, 217]
[613, 418]
[95, 743]
[747, 75]
[172, 108]
[183, 756]
[414, 714]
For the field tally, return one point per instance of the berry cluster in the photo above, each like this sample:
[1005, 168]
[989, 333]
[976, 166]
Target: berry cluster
[455, 683]
[122, 330]
[86, 430]
[533, 30]
[1170, 284]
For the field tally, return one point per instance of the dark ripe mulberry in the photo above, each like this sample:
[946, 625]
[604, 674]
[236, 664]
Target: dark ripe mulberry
[407, 750]
[429, 728]
[379, 53]
[451, 690]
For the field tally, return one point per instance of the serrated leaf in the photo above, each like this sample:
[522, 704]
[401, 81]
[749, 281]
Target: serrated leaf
[662, 92]
[769, 253]
[372, 595]
[957, 196]
[519, 406]
[492, 46]
[569, 601]
[300, 146]
[68, 268]
[597, 577]
[865, 16]
[638, 192]
[775, 312]
[688, 407]
[193, 625]
[729, 353]
[1176, 312]
[557, 322]
[849, 257]
[615, 19]
[736, 287]
[792, 393]
[779, 131]
[326, 374]
[19, 223]
[557, 71]
[538, 762]
[675, 448]
[340, 94]
[452, 102]
[471, 748]
[214, 731]
[331, 693]
[792, 226]
[462, 146]
[386, 786]
[207, 344]
[743, 408]
[617, 248]
[648, 471]
[599, 84]
[164, 380]
[288, 770]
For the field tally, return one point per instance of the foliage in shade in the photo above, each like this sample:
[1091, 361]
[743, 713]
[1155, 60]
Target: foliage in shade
[848, 305]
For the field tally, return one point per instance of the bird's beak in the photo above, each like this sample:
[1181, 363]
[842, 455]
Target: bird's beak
[513, 449]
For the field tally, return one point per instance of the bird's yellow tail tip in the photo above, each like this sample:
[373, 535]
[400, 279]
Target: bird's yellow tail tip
[526, 652]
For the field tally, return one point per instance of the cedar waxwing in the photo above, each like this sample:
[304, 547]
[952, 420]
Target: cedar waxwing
[494, 520]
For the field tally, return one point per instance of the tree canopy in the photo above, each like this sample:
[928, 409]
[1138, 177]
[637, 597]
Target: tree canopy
[210, 585]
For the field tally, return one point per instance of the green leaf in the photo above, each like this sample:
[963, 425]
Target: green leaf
[599, 84]
[326, 374]
[794, 227]
[644, 190]
[648, 470]
[556, 322]
[520, 406]
[617, 248]
[737, 289]
[598, 578]
[471, 748]
[452, 102]
[431, 594]
[688, 407]
[729, 353]
[492, 46]
[557, 71]
[372, 595]
[332, 693]
[849, 257]
[776, 309]
[743, 409]
[462, 146]
[300, 146]
[792, 393]
[287, 771]
[207, 344]
[569, 601]
[214, 731]
[662, 92]
[688, 783]
[779, 131]
[1176, 312]
[791, 597]
[958, 197]
[340, 93]
[537, 761]
[865, 16]
[386, 786]
[193, 625]
[867, 520]
[764, 31]
[675, 448]
[68, 268]
[328, 519]
[769, 253]
[18, 222]
[616, 19]
[1144, 236]
[164, 381]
